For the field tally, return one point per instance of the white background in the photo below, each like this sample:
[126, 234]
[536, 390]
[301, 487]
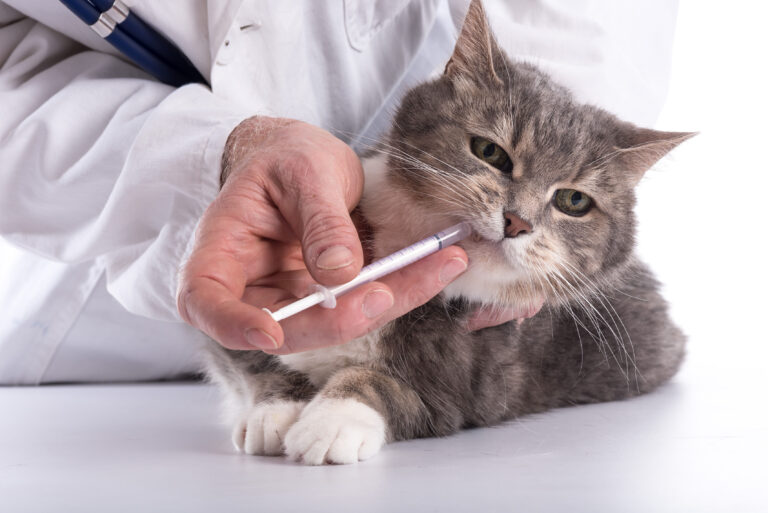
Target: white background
[697, 444]
[703, 210]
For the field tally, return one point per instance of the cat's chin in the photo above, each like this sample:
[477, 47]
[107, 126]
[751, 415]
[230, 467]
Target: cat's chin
[496, 286]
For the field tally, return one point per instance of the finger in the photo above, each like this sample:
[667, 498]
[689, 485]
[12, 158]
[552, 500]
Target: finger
[355, 314]
[374, 304]
[271, 298]
[297, 284]
[416, 284]
[493, 316]
[315, 199]
[211, 307]
[279, 290]
[230, 247]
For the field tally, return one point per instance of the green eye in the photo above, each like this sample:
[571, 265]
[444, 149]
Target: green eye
[491, 153]
[571, 202]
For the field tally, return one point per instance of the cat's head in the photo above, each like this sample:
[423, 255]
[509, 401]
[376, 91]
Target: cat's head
[546, 183]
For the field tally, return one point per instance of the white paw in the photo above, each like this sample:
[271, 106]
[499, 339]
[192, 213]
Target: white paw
[263, 428]
[335, 431]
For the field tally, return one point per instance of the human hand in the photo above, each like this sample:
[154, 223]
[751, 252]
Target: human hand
[487, 316]
[281, 223]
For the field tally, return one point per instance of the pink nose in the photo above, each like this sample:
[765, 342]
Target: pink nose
[515, 225]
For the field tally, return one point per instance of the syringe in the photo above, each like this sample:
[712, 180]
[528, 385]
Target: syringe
[326, 297]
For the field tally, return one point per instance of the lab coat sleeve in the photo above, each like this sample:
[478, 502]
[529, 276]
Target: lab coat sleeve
[98, 162]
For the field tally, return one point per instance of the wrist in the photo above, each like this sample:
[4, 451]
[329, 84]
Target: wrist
[245, 140]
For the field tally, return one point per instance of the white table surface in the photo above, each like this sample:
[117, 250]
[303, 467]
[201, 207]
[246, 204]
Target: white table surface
[695, 445]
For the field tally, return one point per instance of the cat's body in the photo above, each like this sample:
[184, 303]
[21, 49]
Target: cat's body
[427, 377]
[547, 186]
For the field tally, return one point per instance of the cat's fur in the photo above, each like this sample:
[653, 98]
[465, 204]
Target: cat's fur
[604, 333]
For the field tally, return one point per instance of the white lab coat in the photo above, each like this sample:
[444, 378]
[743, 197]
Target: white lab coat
[105, 172]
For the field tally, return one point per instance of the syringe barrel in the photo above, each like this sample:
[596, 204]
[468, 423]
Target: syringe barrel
[398, 260]
[405, 256]
[453, 234]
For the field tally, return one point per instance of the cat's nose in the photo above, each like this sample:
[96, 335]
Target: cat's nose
[515, 225]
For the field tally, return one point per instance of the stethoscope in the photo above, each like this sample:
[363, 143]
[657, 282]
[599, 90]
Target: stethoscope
[150, 50]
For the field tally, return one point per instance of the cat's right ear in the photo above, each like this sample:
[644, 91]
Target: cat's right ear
[473, 54]
[638, 149]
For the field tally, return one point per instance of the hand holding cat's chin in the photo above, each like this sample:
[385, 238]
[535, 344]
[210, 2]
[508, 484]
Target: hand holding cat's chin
[281, 222]
[487, 316]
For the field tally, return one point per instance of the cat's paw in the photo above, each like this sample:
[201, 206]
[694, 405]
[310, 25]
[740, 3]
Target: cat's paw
[335, 431]
[263, 428]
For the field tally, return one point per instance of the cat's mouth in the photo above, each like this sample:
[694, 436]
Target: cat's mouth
[496, 255]
[478, 238]
[502, 264]
[486, 238]
[484, 234]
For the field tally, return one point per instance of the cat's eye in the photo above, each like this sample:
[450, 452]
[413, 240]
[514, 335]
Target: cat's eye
[572, 202]
[491, 153]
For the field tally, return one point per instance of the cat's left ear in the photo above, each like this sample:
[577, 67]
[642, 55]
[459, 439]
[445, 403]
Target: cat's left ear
[474, 51]
[638, 149]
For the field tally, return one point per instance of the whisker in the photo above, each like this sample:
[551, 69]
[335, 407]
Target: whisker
[594, 316]
[611, 311]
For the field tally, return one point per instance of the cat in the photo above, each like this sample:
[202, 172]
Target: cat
[547, 185]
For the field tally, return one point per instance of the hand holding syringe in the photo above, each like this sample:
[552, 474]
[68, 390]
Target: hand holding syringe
[326, 296]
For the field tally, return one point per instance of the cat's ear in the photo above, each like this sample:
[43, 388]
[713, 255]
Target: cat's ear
[638, 149]
[475, 48]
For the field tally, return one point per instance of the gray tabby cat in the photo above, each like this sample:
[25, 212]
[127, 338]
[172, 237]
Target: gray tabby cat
[547, 185]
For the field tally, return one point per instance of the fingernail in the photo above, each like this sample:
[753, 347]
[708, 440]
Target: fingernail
[260, 339]
[335, 257]
[452, 268]
[376, 302]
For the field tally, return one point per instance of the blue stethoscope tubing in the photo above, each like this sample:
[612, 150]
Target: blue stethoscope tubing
[136, 40]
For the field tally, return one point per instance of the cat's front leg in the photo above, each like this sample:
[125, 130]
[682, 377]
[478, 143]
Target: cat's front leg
[263, 398]
[352, 417]
[272, 402]
[263, 426]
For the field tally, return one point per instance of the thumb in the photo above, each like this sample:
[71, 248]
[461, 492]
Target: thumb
[316, 203]
[316, 187]
[330, 244]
